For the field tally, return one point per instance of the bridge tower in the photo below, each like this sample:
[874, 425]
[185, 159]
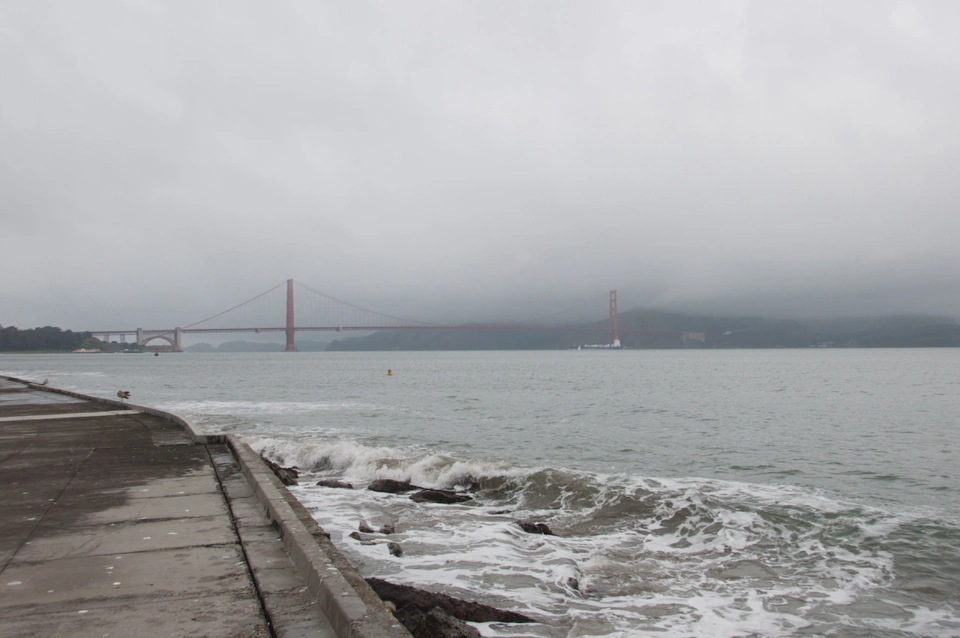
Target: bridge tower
[291, 330]
[614, 333]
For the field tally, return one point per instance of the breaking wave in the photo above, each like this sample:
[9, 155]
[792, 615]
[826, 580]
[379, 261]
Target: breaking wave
[632, 554]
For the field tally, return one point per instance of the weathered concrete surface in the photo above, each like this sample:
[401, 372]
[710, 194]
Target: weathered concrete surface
[121, 525]
[347, 601]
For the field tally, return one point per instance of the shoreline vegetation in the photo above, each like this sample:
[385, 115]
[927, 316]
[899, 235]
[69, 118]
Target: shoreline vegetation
[639, 329]
[54, 340]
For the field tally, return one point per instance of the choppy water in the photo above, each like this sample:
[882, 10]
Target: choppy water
[734, 493]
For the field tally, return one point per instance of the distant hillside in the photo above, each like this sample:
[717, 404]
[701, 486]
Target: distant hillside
[48, 338]
[53, 339]
[236, 346]
[255, 346]
[889, 331]
[659, 329]
[465, 340]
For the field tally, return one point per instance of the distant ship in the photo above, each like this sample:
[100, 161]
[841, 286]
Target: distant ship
[607, 346]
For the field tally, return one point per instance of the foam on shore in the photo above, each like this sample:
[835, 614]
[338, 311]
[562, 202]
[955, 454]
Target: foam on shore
[674, 557]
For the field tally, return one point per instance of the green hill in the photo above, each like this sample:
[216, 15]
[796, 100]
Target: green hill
[48, 338]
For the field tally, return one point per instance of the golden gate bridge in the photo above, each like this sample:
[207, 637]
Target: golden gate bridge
[274, 311]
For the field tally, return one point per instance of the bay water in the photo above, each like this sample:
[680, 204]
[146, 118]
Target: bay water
[692, 493]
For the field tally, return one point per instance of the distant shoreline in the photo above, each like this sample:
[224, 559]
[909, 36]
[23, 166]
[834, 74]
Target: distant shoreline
[651, 349]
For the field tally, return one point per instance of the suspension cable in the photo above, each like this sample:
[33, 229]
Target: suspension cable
[282, 283]
[361, 308]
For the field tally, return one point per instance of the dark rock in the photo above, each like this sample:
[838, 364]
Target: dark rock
[411, 618]
[395, 549]
[287, 475]
[366, 529]
[439, 496]
[573, 583]
[335, 483]
[433, 624]
[363, 541]
[403, 595]
[387, 529]
[499, 512]
[473, 486]
[438, 624]
[535, 528]
[390, 486]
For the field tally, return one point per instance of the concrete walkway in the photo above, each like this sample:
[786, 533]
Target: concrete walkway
[117, 523]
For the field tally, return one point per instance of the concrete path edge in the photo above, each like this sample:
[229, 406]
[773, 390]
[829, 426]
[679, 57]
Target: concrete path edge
[348, 602]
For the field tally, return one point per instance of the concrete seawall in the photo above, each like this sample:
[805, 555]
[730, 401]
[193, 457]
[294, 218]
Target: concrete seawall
[334, 600]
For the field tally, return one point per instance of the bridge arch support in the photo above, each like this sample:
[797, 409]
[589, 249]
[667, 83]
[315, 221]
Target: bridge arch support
[174, 338]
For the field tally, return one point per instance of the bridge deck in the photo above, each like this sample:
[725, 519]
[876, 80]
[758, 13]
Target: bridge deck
[119, 525]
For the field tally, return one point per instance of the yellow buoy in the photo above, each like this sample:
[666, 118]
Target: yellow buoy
[389, 372]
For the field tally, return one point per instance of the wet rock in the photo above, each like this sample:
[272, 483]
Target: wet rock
[404, 595]
[391, 486]
[500, 512]
[366, 529]
[531, 527]
[434, 624]
[387, 529]
[363, 541]
[438, 623]
[334, 483]
[473, 486]
[573, 584]
[439, 496]
[395, 549]
[287, 475]
[411, 618]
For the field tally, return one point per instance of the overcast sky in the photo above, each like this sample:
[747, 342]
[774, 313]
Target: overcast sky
[161, 161]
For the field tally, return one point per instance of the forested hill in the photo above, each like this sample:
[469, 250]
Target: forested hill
[657, 329]
[48, 338]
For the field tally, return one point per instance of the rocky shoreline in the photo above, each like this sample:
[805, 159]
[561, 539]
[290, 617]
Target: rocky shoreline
[425, 614]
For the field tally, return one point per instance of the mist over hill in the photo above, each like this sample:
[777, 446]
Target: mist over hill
[256, 346]
[660, 329]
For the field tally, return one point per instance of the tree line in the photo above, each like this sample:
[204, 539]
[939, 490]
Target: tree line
[12, 339]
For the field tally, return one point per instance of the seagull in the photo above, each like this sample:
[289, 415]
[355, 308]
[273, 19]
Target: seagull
[45, 382]
[123, 394]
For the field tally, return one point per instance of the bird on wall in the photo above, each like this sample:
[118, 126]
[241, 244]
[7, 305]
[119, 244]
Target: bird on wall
[123, 394]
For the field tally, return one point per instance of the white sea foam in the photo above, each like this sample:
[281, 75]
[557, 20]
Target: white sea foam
[355, 461]
[672, 557]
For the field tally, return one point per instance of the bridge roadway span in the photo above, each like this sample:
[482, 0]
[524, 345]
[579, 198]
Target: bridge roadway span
[118, 520]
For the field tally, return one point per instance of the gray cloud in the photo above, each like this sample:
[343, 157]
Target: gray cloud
[452, 160]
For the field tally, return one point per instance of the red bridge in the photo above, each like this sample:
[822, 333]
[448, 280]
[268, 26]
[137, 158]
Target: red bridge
[267, 312]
